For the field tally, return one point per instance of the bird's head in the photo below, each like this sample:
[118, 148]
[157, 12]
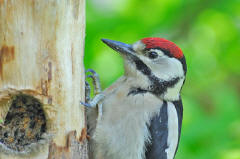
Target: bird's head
[158, 65]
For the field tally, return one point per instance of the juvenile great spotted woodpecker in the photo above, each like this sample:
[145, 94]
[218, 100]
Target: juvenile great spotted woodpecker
[140, 115]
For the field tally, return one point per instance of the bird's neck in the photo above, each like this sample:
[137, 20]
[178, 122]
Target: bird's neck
[172, 92]
[166, 90]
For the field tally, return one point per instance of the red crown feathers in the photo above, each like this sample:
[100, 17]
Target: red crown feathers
[164, 44]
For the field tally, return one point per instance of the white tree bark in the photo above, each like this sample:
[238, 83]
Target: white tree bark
[41, 55]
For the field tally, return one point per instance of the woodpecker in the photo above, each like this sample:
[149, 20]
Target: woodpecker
[140, 115]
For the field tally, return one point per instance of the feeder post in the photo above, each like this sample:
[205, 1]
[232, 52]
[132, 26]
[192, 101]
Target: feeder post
[41, 57]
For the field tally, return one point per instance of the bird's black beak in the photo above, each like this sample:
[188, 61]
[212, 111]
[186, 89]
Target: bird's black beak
[122, 48]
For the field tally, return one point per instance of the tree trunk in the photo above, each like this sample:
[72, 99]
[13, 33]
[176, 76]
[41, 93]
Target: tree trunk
[42, 79]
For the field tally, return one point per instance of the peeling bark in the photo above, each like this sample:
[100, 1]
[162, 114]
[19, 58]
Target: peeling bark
[71, 151]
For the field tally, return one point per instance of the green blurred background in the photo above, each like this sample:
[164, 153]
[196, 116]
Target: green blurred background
[208, 32]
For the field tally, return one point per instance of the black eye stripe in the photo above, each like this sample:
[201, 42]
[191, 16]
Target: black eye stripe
[158, 86]
[141, 66]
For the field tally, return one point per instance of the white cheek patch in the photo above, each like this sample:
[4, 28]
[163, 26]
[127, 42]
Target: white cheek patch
[167, 68]
[164, 68]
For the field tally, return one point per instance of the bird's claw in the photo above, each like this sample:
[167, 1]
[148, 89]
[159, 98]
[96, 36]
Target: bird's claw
[92, 103]
[85, 104]
[96, 81]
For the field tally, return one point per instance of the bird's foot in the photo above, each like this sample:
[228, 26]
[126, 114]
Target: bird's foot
[98, 96]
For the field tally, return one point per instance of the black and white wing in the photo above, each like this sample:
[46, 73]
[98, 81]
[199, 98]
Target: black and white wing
[165, 130]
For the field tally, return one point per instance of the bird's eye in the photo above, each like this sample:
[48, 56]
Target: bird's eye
[152, 55]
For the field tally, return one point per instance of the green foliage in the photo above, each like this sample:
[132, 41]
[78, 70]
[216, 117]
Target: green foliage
[208, 33]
